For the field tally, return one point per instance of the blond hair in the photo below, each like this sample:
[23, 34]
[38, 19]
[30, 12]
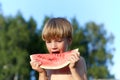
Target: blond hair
[57, 28]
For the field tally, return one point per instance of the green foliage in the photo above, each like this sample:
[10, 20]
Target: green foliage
[99, 52]
[92, 42]
[13, 40]
[18, 39]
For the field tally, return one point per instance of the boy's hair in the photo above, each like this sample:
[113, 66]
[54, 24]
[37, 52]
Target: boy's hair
[57, 28]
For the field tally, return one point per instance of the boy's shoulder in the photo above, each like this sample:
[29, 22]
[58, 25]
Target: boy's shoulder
[82, 58]
[82, 63]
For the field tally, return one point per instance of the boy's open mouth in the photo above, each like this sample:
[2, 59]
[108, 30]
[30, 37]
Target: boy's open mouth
[56, 52]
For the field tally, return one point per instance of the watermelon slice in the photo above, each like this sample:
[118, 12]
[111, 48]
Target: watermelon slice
[53, 61]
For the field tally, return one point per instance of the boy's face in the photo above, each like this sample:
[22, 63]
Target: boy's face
[56, 46]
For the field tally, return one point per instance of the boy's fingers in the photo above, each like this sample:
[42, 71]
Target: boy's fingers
[74, 58]
[35, 63]
[78, 53]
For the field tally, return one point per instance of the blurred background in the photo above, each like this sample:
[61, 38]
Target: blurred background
[96, 34]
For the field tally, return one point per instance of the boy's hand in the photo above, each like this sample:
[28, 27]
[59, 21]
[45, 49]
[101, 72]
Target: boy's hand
[75, 57]
[36, 66]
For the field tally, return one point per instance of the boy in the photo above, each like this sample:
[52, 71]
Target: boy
[57, 34]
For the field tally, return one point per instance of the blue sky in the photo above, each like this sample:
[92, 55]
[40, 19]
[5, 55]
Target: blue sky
[105, 12]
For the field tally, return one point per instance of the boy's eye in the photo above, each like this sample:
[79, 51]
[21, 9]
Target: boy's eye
[59, 40]
[48, 41]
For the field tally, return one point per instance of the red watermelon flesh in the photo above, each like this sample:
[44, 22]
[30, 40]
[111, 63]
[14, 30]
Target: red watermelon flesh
[53, 61]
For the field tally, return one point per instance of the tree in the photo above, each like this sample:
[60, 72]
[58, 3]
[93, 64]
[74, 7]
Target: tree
[36, 44]
[14, 37]
[98, 50]
[92, 41]
[18, 39]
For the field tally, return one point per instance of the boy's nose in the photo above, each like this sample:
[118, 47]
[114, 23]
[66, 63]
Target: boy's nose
[54, 45]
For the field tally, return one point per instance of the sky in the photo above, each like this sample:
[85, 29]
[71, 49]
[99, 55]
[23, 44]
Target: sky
[105, 12]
